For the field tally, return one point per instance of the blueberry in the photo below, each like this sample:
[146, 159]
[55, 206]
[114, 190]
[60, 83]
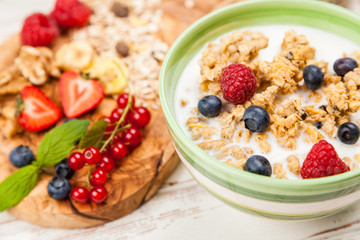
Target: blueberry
[259, 165]
[344, 65]
[21, 156]
[209, 106]
[59, 188]
[63, 170]
[256, 119]
[313, 77]
[348, 133]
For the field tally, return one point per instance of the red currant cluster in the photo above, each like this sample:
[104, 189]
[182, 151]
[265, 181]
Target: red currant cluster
[121, 136]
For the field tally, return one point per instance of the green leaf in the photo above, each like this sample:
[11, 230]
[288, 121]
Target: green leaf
[93, 137]
[58, 143]
[17, 186]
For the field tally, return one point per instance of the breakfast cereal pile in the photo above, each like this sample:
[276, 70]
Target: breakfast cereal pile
[224, 76]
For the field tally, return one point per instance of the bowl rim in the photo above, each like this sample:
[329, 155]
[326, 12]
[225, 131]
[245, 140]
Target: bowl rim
[191, 146]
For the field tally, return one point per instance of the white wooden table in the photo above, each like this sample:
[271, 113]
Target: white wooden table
[181, 209]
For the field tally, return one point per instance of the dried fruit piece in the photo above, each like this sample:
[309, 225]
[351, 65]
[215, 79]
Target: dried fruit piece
[112, 73]
[75, 56]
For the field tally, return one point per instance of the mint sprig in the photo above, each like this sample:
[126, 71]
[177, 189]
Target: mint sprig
[54, 147]
[58, 143]
[17, 186]
[94, 136]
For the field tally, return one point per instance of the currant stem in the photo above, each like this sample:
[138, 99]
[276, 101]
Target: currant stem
[126, 110]
[88, 176]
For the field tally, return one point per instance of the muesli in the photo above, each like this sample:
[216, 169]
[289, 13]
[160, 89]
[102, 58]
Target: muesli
[248, 110]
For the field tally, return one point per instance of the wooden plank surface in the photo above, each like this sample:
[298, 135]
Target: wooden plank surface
[181, 209]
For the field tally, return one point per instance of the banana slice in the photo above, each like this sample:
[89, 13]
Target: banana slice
[76, 56]
[112, 73]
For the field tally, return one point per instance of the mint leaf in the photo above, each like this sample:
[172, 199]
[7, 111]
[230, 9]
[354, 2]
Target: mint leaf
[17, 186]
[58, 143]
[93, 137]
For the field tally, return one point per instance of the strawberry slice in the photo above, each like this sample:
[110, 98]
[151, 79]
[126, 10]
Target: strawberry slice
[36, 112]
[79, 95]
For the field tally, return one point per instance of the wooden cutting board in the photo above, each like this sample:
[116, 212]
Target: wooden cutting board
[137, 178]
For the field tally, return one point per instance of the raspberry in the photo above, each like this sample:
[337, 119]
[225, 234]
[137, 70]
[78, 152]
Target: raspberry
[238, 83]
[322, 161]
[38, 30]
[70, 13]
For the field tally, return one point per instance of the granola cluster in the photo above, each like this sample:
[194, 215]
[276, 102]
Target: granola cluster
[290, 117]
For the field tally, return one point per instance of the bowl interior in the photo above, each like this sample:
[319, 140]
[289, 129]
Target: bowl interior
[310, 13]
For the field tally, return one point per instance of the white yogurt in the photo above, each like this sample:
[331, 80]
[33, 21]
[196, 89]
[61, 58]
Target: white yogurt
[329, 47]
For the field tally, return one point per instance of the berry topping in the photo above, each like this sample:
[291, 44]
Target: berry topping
[36, 111]
[92, 155]
[131, 137]
[116, 114]
[259, 165]
[80, 195]
[38, 30]
[209, 106]
[70, 13]
[98, 194]
[322, 161]
[313, 77]
[123, 100]
[63, 170]
[256, 119]
[344, 65]
[59, 188]
[238, 83]
[79, 95]
[118, 151]
[140, 117]
[21, 156]
[106, 163]
[76, 161]
[348, 133]
[98, 177]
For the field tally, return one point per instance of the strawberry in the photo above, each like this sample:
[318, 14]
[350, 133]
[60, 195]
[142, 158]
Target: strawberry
[79, 95]
[36, 112]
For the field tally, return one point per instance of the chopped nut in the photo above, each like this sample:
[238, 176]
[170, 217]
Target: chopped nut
[37, 64]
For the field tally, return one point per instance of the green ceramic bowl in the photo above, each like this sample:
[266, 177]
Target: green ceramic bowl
[269, 197]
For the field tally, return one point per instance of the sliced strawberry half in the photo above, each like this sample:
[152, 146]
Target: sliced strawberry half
[36, 112]
[79, 95]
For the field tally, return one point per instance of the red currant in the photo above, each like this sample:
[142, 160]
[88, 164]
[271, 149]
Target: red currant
[106, 163]
[110, 126]
[98, 177]
[98, 194]
[80, 195]
[76, 161]
[116, 114]
[118, 151]
[123, 100]
[92, 155]
[140, 117]
[131, 137]
[116, 139]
